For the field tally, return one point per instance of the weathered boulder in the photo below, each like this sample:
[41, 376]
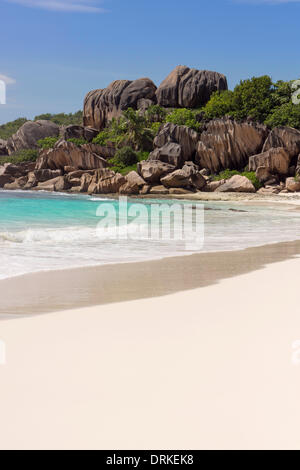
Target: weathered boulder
[18, 183]
[186, 137]
[102, 151]
[187, 177]
[263, 174]
[100, 106]
[292, 185]
[5, 179]
[85, 182]
[227, 144]
[68, 154]
[19, 169]
[212, 186]
[277, 160]
[3, 147]
[153, 171]
[129, 188]
[59, 183]
[189, 88]
[29, 134]
[170, 153]
[106, 181]
[286, 137]
[159, 190]
[236, 184]
[46, 174]
[78, 132]
[135, 179]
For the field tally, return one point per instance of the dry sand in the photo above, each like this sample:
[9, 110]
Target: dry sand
[208, 368]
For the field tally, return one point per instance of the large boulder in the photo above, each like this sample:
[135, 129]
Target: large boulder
[170, 153]
[189, 88]
[3, 147]
[68, 154]
[286, 137]
[17, 170]
[292, 185]
[153, 171]
[187, 177]
[100, 106]
[227, 144]
[29, 134]
[186, 137]
[106, 181]
[276, 160]
[78, 132]
[236, 184]
[5, 179]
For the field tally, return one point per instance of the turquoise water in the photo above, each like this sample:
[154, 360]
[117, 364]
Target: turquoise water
[42, 231]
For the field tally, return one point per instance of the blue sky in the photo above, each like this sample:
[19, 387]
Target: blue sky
[54, 51]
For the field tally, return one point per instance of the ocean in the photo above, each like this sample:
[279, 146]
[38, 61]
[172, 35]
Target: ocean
[47, 231]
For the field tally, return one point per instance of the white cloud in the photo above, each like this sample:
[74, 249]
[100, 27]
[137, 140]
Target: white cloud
[7, 80]
[84, 6]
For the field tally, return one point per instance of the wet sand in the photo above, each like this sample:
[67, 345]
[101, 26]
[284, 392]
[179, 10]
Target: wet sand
[50, 291]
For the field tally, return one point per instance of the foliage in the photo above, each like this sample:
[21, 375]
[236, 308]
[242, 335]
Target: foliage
[259, 99]
[10, 128]
[219, 105]
[62, 119]
[226, 174]
[183, 117]
[124, 169]
[126, 156]
[155, 126]
[78, 141]
[129, 130]
[155, 113]
[25, 155]
[47, 142]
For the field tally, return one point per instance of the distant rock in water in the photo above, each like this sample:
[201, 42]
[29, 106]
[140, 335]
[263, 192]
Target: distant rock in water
[100, 106]
[189, 88]
[29, 134]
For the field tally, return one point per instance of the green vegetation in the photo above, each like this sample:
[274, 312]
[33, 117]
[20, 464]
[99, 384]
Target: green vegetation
[62, 119]
[226, 174]
[47, 143]
[25, 155]
[78, 141]
[121, 163]
[259, 99]
[10, 128]
[184, 117]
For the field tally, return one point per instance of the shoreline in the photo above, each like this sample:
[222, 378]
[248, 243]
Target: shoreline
[51, 291]
[210, 368]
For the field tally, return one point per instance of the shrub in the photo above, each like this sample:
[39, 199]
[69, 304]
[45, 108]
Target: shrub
[155, 126]
[25, 155]
[155, 113]
[62, 119]
[126, 156]
[219, 105]
[287, 114]
[183, 117]
[78, 141]
[47, 143]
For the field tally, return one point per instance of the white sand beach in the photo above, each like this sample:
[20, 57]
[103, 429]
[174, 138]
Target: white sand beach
[209, 368]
